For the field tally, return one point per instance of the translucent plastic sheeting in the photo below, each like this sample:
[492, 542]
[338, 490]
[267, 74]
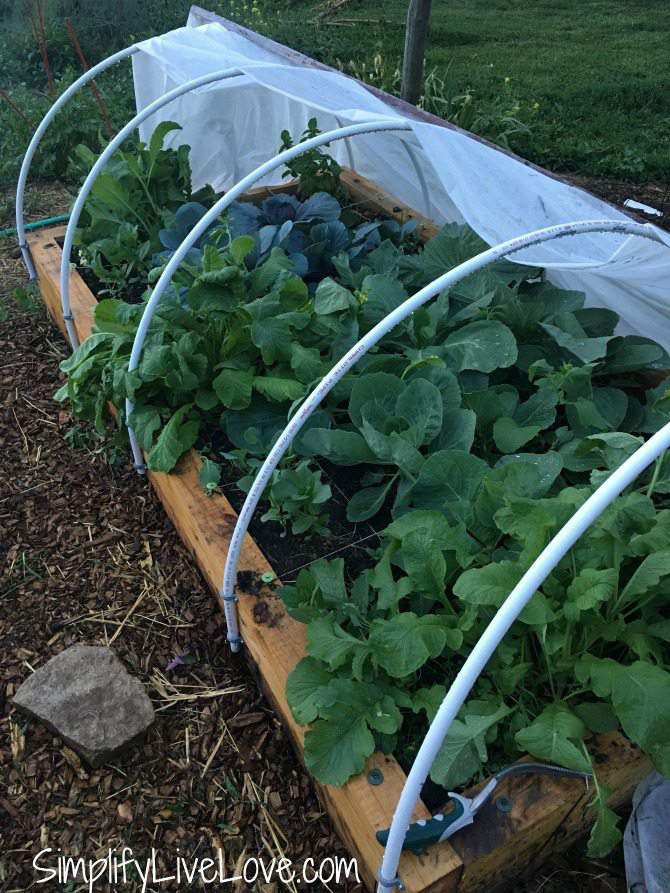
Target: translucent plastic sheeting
[232, 128]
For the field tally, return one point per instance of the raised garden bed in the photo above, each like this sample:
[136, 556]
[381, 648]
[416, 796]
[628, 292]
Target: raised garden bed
[546, 813]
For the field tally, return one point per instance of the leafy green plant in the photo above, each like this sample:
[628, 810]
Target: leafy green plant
[577, 662]
[297, 496]
[473, 431]
[78, 123]
[315, 170]
[132, 201]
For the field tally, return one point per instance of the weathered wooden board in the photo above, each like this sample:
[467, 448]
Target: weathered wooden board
[546, 813]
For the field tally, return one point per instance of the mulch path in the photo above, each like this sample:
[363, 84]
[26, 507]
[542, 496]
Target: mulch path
[88, 556]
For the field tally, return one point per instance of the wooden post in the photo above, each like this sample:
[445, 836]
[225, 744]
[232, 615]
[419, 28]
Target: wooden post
[418, 17]
[94, 87]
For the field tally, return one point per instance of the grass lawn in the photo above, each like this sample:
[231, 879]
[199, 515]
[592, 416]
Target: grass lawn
[599, 71]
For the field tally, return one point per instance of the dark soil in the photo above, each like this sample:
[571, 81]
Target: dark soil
[287, 553]
[655, 195]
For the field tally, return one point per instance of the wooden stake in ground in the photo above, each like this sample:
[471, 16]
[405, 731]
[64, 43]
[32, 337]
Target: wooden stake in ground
[418, 18]
[35, 13]
[94, 87]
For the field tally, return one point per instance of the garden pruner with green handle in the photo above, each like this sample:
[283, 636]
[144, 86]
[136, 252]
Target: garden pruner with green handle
[424, 832]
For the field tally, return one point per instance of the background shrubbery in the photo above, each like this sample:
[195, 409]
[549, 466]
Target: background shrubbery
[576, 88]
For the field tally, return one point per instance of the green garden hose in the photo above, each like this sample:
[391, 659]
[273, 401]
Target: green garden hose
[38, 224]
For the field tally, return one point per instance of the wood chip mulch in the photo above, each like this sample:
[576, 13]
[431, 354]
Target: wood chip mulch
[88, 556]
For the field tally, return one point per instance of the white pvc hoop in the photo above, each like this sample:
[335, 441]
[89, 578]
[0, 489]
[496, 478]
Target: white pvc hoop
[37, 138]
[375, 334]
[493, 635]
[95, 171]
[533, 577]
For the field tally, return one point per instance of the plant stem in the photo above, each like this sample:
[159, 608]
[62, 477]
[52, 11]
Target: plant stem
[654, 477]
[548, 665]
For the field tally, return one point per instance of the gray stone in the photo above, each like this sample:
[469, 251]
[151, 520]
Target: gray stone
[87, 696]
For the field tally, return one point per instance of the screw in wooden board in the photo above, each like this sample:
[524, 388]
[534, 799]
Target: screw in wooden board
[504, 804]
[375, 776]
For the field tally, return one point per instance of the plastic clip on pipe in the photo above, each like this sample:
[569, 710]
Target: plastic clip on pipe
[37, 138]
[95, 171]
[531, 580]
[228, 598]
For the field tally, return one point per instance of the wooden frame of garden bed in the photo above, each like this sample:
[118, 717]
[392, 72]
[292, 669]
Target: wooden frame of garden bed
[546, 813]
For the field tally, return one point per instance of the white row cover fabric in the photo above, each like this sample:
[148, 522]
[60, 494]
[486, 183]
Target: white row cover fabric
[234, 126]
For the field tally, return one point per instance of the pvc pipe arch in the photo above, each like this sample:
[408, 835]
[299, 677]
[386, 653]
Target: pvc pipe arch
[493, 635]
[531, 580]
[37, 138]
[313, 400]
[95, 171]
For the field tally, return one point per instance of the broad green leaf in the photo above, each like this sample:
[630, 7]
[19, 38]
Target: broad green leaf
[341, 447]
[331, 297]
[373, 386]
[421, 404]
[145, 421]
[178, 436]
[647, 575]
[85, 349]
[305, 362]
[463, 751]
[486, 345]
[596, 716]
[328, 642]
[279, 389]
[429, 700]
[255, 427]
[436, 525]
[329, 577]
[158, 138]
[656, 539]
[210, 475]
[424, 562]
[458, 430]
[584, 348]
[241, 247]
[337, 749]
[383, 294]
[389, 590]
[549, 465]
[449, 481]
[531, 417]
[588, 590]
[640, 697]
[632, 352]
[233, 387]
[631, 514]
[605, 834]
[489, 585]
[556, 736]
[305, 689]
[405, 642]
[367, 502]
[206, 399]
[489, 404]
[450, 247]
